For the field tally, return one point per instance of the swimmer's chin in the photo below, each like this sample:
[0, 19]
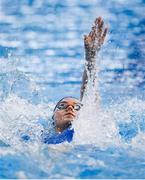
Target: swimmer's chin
[69, 118]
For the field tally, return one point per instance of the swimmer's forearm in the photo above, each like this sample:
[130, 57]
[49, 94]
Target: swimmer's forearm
[84, 83]
[90, 70]
[90, 61]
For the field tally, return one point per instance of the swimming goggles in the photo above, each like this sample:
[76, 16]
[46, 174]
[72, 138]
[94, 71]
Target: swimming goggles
[62, 106]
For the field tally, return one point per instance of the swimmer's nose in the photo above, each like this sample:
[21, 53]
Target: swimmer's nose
[70, 108]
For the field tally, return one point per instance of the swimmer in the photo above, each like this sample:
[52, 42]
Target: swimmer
[67, 109]
[64, 113]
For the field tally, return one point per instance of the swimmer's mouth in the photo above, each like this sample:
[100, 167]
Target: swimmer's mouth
[70, 114]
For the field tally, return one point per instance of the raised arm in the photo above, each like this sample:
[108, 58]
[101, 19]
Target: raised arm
[92, 43]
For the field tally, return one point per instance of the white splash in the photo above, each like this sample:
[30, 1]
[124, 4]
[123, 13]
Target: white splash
[18, 116]
[131, 111]
[94, 125]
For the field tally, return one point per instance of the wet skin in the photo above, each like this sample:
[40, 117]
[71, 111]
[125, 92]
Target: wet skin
[64, 117]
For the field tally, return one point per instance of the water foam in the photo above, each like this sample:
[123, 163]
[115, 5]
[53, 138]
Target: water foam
[18, 116]
[94, 124]
[131, 113]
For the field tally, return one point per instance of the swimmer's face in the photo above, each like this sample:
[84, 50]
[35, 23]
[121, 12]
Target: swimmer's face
[66, 111]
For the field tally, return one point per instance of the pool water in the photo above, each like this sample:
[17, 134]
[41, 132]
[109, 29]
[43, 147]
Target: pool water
[42, 60]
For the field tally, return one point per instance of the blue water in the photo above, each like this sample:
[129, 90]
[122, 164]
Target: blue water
[42, 59]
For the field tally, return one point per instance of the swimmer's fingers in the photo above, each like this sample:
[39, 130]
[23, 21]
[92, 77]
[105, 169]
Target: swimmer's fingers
[101, 33]
[100, 29]
[89, 39]
[92, 34]
[99, 26]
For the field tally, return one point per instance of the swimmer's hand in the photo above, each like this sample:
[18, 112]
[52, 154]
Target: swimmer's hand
[94, 40]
